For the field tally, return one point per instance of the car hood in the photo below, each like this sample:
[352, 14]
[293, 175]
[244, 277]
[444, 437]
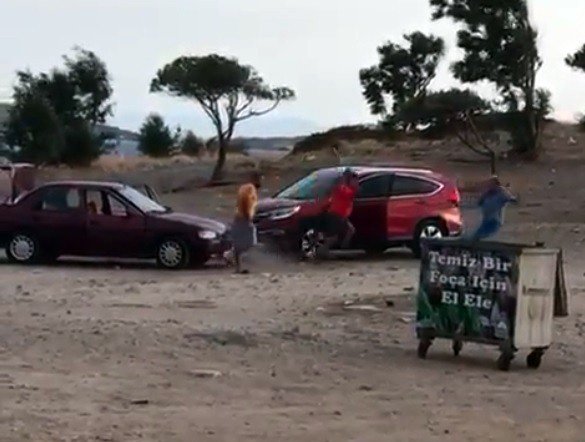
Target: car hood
[267, 204]
[192, 220]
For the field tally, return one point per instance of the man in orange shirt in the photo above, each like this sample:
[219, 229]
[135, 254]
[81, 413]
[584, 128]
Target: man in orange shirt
[340, 207]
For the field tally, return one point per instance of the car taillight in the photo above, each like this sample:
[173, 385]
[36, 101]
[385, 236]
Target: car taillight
[454, 197]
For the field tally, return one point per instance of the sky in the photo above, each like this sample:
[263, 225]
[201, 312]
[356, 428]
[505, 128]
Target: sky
[315, 47]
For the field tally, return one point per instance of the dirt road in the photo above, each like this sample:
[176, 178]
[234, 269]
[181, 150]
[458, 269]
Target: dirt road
[102, 353]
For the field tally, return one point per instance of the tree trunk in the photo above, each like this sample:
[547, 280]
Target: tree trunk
[530, 121]
[493, 167]
[221, 156]
[529, 114]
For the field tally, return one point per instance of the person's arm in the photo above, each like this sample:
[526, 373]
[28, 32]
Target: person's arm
[325, 201]
[481, 199]
[509, 196]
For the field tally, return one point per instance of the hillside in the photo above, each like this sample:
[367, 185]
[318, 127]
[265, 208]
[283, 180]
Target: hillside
[360, 144]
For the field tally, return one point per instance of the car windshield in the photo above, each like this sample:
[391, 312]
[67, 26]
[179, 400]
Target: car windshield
[316, 185]
[141, 201]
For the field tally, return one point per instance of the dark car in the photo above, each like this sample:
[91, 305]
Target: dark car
[97, 219]
[394, 207]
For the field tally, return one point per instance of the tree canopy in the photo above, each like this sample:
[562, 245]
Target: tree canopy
[442, 110]
[53, 113]
[499, 46]
[403, 73]
[227, 91]
[577, 60]
[90, 78]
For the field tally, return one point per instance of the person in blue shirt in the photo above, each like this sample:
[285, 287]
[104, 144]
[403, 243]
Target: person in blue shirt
[492, 204]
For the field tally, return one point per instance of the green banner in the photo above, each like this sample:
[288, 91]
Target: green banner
[467, 290]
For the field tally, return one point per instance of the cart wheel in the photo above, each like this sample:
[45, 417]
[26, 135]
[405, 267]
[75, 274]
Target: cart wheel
[457, 346]
[534, 359]
[423, 348]
[505, 361]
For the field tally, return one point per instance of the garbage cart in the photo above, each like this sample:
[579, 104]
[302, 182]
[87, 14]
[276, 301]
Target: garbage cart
[489, 293]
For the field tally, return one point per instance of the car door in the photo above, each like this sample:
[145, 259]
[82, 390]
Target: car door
[114, 227]
[408, 205]
[370, 212]
[58, 219]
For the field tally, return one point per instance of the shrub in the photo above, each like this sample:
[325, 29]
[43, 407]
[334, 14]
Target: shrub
[192, 145]
[155, 137]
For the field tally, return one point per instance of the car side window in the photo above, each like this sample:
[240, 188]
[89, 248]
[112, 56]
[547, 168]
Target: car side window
[94, 202]
[59, 199]
[115, 207]
[375, 187]
[404, 185]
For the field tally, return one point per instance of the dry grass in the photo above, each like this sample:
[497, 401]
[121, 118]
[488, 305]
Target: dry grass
[116, 164]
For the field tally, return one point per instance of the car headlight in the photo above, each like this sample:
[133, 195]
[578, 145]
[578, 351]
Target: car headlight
[207, 234]
[284, 213]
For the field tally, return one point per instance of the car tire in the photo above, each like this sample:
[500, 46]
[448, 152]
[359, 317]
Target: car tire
[23, 248]
[427, 229]
[172, 254]
[310, 244]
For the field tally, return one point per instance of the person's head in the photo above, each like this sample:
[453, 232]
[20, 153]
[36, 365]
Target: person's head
[494, 182]
[246, 202]
[348, 176]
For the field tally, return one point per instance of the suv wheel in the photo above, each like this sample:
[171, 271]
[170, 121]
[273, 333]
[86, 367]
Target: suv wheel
[312, 243]
[23, 249]
[430, 229]
[172, 254]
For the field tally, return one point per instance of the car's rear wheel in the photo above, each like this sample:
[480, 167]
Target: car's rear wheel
[428, 229]
[23, 248]
[172, 254]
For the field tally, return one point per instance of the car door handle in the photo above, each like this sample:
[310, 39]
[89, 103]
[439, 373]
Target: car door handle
[421, 202]
[93, 223]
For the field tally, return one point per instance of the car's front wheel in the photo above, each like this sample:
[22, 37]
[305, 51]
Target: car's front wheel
[23, 248]
[172, 254]
[311, 244]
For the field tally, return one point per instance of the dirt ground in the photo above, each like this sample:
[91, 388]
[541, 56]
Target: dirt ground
[114, 352]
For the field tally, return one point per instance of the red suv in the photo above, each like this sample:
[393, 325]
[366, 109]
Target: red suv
[394, 207]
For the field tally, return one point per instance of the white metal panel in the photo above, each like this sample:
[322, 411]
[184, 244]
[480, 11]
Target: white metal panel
[535, 303]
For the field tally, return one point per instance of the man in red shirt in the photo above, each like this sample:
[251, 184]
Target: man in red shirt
[339, 208]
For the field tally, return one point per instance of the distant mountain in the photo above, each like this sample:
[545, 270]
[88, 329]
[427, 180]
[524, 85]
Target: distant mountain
[271, 143]
[114, 132]
[125, 142]
[189, 117]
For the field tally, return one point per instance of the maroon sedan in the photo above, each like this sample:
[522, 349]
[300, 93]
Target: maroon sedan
[98, 219]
